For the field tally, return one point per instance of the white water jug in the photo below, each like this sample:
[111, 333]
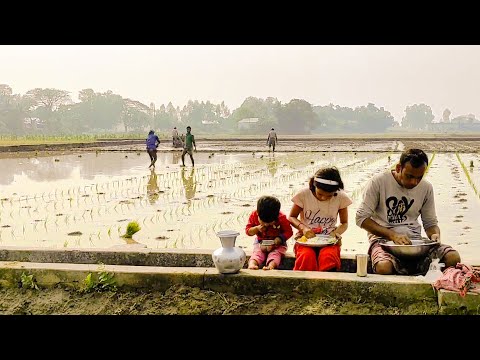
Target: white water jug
[228, 259]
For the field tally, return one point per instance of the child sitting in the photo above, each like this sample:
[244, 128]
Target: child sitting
[272, 230]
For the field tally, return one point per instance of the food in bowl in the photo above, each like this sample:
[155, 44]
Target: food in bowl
[418, 248]
[268, 242]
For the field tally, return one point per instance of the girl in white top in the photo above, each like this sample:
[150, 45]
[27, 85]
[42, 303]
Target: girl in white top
[319, 207]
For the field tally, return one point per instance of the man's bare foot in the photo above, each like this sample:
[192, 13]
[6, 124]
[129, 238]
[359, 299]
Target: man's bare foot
[252, 265]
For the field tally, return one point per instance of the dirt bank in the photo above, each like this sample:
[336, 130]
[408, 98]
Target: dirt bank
[286, 144]
[180, 300]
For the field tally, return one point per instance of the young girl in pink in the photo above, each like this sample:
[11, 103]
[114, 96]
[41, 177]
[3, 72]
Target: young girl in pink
[319, 206]
[272, 230]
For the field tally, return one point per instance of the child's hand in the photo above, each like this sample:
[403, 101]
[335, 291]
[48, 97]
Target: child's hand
[261, 228]
[338, 237]
[278, 241]
[308, 232]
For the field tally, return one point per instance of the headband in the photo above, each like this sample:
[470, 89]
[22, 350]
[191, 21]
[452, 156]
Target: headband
[325, 181]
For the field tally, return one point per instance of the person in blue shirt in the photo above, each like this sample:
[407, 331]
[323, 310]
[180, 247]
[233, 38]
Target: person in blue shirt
[152, 144]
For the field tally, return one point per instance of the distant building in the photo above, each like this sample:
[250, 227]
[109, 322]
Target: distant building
[460, 123]
[247, 123]
[465, 119]
[210, 122]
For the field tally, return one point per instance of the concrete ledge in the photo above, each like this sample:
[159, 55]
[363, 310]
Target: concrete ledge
[113, 256]
[451, 303]
[138, 256]
[388, 290]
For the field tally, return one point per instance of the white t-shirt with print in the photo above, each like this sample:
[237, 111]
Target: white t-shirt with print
[318, 213]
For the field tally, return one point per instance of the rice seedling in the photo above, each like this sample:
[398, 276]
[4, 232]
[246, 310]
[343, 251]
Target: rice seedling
[132, 228]
[470, 181]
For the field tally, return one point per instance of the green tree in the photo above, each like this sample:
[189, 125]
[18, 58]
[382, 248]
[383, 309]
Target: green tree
[296, 117]
[50, 99]
[13, 109]
[417, 116]
[252, 107]
[372, 119]
[334, 118]
[135, 115]
[101, 111]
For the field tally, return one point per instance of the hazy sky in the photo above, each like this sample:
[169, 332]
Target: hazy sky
[391, 76]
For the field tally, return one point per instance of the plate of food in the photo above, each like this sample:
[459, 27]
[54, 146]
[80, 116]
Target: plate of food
[320, 240]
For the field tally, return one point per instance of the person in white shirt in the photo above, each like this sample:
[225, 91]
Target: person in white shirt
[316, 210]
[392, 203]
[174, 135]
[272, 139]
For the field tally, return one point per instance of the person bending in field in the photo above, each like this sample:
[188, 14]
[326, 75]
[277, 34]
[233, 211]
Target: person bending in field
[152, 142]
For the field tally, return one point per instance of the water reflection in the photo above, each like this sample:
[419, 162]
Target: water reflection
[152, 187]
[176, 156]
[44, 174]
[272, 165]
[189, 183]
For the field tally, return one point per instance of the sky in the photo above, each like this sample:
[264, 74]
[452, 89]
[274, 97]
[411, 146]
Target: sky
[392, 76]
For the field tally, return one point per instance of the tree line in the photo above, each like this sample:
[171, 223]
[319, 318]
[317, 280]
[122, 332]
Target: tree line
[53, 112]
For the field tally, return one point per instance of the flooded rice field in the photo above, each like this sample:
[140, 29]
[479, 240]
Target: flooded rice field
[85, 199]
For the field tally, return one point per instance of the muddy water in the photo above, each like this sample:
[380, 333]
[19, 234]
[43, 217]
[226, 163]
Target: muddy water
[92, 196]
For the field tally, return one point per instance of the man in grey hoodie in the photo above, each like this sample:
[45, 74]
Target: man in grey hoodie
[392, 203]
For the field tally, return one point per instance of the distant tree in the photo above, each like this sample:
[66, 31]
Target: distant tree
[68, 119]
[11, 121]
[335, 118]
[50, 99]
[98, 111]
[152, 114]
[135, 115]
[172, 113]
[87, 95]
[5, 95]
[372, 119]
[296, 117]
[417, 116]
[5, 99]
[223, 111]
[252, 107]
[13, 110]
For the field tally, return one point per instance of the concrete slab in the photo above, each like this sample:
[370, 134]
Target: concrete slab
[137, 256]
[389, 290]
